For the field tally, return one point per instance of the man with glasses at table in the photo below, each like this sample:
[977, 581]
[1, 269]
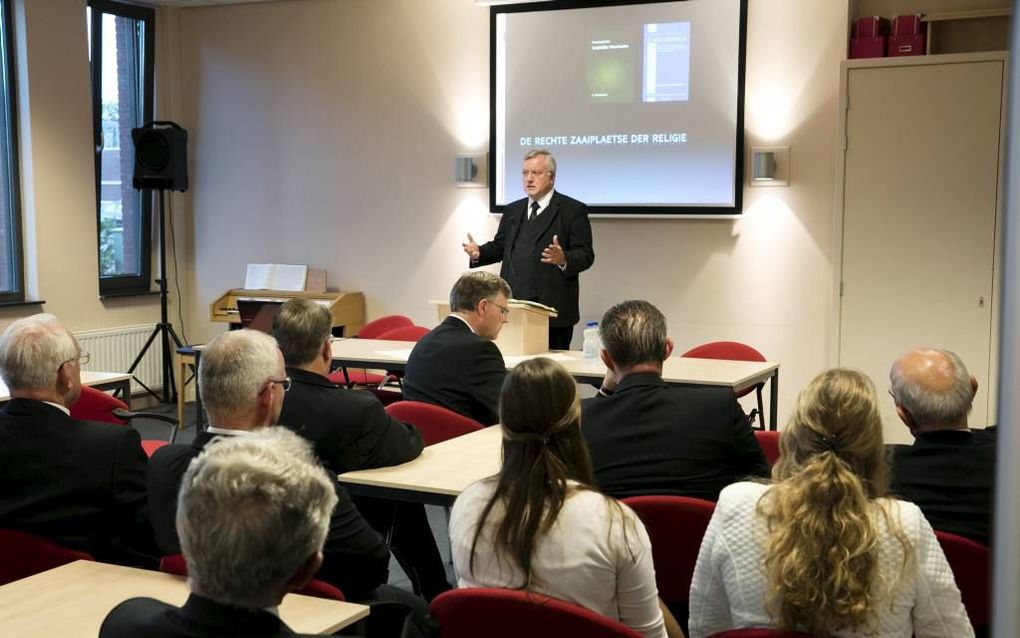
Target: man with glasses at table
[544, 243]
[242, 381]
[456, 365]
[78, 483]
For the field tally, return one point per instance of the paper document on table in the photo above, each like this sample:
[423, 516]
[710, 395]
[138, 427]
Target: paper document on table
[513, 359]
[275, 277]
[396, 354]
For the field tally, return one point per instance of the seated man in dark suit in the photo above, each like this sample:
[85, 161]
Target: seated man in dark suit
[78, 483]
[457, 365]
[649, 438]
[253, 516]
[949, 471]
[242, 382]
[350, 430]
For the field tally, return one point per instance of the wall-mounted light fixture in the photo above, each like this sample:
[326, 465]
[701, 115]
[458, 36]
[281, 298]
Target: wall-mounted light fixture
[471, 171]
[770, 166]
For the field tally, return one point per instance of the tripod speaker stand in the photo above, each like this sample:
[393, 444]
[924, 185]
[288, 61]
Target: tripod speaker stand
[160, 164]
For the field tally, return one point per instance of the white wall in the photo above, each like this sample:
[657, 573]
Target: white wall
[324, 132]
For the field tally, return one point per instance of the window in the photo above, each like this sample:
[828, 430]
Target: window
[12, 287]
[121, 52]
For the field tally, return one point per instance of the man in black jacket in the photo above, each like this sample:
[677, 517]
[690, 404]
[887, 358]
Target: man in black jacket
[350, 430]
[544, 243]
[649, 438]
[242, 382]
[456, 365]
[253, 516]
[949, 471]
[78, 483]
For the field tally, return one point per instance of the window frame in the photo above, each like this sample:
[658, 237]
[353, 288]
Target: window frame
[17, 294]
[123, 285]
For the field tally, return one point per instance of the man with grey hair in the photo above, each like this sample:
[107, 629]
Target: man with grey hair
[253, 516]
[78, 483]
[242, 382]
[949, 471]
[456, 365]
[649, 438]
[544, 243]
[351, 431]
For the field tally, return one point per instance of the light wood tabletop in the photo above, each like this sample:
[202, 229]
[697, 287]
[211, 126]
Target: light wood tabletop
[438, 475]
[739, 375]
[101, 380]
[72, 600]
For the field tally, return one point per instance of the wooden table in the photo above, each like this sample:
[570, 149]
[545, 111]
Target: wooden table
[72, 600]
[436, 477]
[98, 380]
[392, 355]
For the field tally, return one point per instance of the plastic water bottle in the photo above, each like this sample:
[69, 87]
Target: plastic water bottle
[591, 340]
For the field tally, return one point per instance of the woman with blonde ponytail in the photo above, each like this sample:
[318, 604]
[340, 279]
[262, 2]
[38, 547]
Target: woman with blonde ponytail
[824, 549]
[539, 525]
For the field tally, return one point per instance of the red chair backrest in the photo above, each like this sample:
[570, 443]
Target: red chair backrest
[507, 613]
[376, 327]
[96, 405]
[407, 333]
[23, 554]
[435, 423]
[969, 561]
[676, 525]
[760, 632]
[727, 351]
[176, 565]
[768, 440]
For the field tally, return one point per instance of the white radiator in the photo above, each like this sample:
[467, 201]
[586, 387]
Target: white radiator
[114, 349]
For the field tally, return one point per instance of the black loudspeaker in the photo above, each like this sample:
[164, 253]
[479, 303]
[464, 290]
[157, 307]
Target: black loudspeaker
[161, 156]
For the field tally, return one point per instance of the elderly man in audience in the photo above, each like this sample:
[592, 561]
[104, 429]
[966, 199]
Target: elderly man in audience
[949, 471]
[78, 483]
[647, 437]
[242, 382]
[253, 516]
[457, 365]
[350, 430]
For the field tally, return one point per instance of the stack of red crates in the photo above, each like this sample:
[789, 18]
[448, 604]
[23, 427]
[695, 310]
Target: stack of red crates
[869, 37]
[907, 36]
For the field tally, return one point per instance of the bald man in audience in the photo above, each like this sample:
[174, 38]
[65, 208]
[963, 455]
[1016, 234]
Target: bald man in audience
[457, 365]
[242, 382]
[78, 483]
[253, 517]
[949, 471]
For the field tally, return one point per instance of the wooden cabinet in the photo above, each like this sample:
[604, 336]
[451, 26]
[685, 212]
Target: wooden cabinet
[920, 193]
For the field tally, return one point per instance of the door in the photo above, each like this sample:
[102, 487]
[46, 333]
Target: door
[919, 222]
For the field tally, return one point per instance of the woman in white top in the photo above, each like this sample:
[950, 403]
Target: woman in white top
[539, 525]
[824, 549]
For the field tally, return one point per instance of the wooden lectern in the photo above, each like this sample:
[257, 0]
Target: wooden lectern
[526, 330]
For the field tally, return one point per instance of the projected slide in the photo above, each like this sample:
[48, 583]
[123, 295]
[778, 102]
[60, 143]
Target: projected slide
[638, 102]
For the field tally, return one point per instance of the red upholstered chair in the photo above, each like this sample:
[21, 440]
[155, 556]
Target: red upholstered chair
[96, 405]
[760, 632]
[435, 423]
[675, 525]
[507, 613]
[971, 568]
[769, 442]
[176, 565]
[23, 554]
[370, 330]
[734, 351]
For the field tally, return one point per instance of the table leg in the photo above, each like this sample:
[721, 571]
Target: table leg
[774, 401]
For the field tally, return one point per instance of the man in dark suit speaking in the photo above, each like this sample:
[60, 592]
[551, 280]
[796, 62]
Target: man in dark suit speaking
[544, 243]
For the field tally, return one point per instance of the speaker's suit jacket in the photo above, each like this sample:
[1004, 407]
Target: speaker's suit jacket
[651, 438]
[78, 483]
[566, 218]
[950, 475]
[454, 368]
[356, 557]
[200, 617]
